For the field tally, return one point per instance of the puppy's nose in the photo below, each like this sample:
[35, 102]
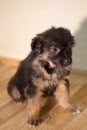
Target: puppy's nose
[67, 61]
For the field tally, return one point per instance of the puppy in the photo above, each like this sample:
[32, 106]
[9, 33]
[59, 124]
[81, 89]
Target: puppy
[44, 73]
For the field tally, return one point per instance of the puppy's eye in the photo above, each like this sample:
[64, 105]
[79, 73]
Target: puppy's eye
[54, 50]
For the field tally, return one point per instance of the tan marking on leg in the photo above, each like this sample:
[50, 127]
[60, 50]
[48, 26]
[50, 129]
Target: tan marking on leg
[34, 106]
[62, 96]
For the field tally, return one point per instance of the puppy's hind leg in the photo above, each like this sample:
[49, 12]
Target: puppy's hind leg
[13, 91]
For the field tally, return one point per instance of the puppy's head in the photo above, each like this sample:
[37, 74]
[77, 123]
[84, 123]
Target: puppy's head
[57, 43]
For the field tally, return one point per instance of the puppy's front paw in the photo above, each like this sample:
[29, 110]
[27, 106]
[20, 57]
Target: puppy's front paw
[75, 110]
[34, 123]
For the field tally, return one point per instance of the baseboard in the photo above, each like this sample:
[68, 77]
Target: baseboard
[79, 71]
[9, 61]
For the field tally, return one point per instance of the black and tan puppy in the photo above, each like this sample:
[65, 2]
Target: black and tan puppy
[45, 72]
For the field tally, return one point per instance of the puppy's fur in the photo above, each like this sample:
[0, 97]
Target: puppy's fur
[44, 72]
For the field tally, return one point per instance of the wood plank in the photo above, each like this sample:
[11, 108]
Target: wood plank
[19, 122]
[79, 123]
[4, 98]
[9, 110]
[8, 71]
[5, 77]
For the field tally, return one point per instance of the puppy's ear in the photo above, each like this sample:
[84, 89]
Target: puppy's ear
[70, 38]
[71, 42]
[65, 36]
[36, 43]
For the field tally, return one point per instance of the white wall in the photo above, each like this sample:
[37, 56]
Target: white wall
[21, 20]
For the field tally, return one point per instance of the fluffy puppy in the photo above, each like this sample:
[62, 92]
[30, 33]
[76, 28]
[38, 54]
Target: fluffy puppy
[44, 73]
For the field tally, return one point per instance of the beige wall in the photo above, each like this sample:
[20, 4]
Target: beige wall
[20, 20]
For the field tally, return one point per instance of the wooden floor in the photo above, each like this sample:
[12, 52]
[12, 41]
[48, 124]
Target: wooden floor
[14, 116]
